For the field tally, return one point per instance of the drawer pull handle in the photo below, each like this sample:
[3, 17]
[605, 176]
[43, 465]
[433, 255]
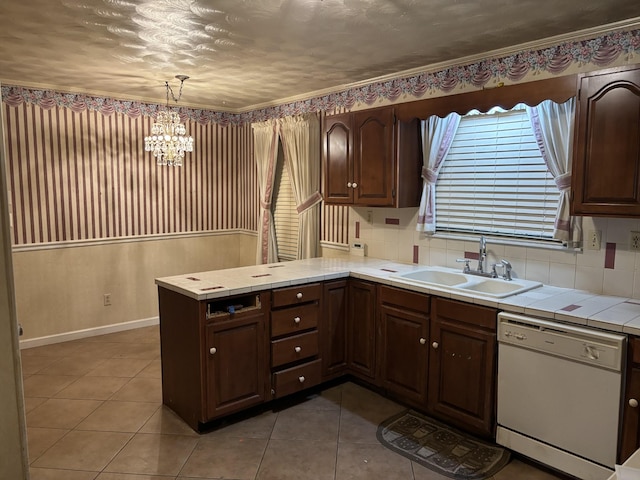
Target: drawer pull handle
[297, 349]
[633, 403]
[423, 341]
[296, 320]
[301, 378]
[213, 350]
[354, 185]
[348, 184]
[299, 295]
[434, 344]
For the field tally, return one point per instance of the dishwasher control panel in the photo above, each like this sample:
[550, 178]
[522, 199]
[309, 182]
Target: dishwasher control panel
[580, 344]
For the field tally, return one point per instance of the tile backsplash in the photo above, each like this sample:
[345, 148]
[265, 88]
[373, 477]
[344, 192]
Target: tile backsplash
[612, 270]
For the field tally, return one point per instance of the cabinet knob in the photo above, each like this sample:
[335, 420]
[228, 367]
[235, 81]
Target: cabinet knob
[299, 295]
[297, 349]
[301, 379]
[296, 320]
[349, 184]
[633, 403]
[354, 185]
[435, 345]
[213, 350]
[423, 341]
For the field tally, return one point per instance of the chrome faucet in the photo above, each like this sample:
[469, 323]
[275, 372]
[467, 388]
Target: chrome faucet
[482, 256]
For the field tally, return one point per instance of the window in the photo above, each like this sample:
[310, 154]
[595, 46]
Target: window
[285, 214]
[494, 180]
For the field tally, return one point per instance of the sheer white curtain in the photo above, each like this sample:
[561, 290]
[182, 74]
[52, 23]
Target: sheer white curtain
[265, 150]
[300, 137]
[552, 124]
[437, 135]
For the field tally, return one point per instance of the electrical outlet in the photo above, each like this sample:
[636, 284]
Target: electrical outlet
[594, 240]
[634, 241]
[369, 217]
[107, 299]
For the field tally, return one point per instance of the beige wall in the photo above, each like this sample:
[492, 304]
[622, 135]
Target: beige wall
[61, 290]
[13, 440]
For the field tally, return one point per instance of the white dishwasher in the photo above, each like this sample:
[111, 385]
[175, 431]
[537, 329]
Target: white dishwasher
[559, 394]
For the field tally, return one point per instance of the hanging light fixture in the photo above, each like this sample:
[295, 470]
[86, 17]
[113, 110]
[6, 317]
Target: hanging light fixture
[169, 140]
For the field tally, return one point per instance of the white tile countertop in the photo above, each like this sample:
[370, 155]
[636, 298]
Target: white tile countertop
[617, 314]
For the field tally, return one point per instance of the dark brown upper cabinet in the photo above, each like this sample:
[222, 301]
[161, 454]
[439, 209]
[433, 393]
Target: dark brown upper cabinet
[371, 159]
[606, 162]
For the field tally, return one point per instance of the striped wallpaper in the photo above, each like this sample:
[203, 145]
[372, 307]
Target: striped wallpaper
[83, 175]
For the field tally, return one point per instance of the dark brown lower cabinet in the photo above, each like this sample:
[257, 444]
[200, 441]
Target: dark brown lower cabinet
[361, 329]
[225, 355]
[403, 343]
[213, 362]
[462, 365]
[630, 440]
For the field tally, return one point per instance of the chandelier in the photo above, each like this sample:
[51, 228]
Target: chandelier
[169, 140]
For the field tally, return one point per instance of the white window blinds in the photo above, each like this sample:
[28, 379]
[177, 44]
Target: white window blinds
[285, 214]
[494, 179]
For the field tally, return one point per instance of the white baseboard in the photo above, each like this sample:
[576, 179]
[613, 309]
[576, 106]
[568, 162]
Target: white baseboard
[88, 332]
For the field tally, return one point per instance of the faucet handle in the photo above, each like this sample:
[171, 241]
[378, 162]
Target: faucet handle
[507, 269]
[494, 273]
[466, 261]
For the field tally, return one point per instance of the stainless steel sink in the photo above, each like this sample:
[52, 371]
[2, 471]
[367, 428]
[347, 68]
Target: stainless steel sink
[449, 279]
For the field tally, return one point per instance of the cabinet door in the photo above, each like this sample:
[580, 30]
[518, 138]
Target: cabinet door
[630, 437]
[462, 366]
[333, 329]
[374, 164]
[362, 329]
[338, 159]
[606, 166]
[631, 417]
[404, 351]
[236, 365]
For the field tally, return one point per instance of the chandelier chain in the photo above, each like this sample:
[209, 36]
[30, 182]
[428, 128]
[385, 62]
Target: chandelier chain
[170, 90]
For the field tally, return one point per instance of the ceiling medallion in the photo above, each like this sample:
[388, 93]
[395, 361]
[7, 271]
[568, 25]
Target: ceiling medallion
[169, 140]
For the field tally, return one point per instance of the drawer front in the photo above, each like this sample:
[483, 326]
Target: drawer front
[292, 349]
[296, 295]
[294, 319]
[296, 379]
[418, 302]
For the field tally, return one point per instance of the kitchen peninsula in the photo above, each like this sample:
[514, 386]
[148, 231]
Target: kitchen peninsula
[237, 338]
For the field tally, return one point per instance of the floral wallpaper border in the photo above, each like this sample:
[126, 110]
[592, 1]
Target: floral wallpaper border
[600, 51]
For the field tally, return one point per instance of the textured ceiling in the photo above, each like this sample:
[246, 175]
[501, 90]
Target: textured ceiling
[241, 54]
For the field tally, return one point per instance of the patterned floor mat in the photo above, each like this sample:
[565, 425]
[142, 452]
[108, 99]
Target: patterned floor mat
[440, 447]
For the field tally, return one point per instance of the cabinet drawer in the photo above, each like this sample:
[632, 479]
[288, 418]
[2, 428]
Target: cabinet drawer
[483, 317]
[295, 319]
[296, 295]
[292, 349]
[418, 302]
[296, 379]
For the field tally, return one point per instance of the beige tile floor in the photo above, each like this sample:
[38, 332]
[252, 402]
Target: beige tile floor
[94, 412]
